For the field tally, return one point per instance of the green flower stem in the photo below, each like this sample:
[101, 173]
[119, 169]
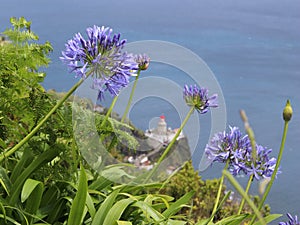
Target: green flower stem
[131, 96]
[286, 123]
[167, 150]
[34, 130]
[218, 194]
[246, 191]
[114, 140]
[245, 196]
[109, 111]
[254, 154]
[250, 135]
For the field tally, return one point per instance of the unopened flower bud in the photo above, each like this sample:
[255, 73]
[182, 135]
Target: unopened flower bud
[288, 111]
[142, 61]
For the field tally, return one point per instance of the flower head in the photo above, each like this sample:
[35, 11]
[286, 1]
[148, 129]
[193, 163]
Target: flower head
[142, 61]
[101, 56]
[292, 221]
[198, 98]
[237, 150]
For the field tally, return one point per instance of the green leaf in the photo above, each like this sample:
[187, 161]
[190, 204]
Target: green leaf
[57, 211]
[29, 186]
[115, 173]
[2, 143]
[10, 220]
[149, 211]
[176, 222]
[137, 188]
[104, 208]
[25, 160]
[4, 180]
[78, 205]
[269, 218]
[3, 212]
[116, 211]
[32, 193]
[123, 222]
[149, 199]
[41, 224]
[50, 195]
[90, 205]
[176, 206]
[232, 220]
[100, 183]
[204, 222]
[37, 163]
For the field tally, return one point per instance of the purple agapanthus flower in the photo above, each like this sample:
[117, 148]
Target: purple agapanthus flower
[292, 220]
[102, 57]
[235, 148]
[198, 98]
[143, 61]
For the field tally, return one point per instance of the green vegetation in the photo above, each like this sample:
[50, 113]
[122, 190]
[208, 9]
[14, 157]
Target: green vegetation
[202, 203]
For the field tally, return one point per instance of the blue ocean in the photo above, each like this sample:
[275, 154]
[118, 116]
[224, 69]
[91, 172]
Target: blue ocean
[252, 48]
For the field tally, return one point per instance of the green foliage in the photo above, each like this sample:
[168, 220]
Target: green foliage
[21, 59]
[29, 179]
[187, 179]
[105, 207]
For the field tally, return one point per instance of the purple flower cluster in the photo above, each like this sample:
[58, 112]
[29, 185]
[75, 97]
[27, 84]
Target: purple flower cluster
[198, 98]
[292, 221]
[235, 148]
[143, 61]
[101, 56]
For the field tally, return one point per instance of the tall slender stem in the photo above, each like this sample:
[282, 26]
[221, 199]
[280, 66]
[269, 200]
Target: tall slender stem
[246, 191]
[131, 96]
[114, 140]
[286, 123]
[245, 196]
[254, 154]
[167, 150]
[250, 135]
[109, 111]
[38, 126]
[218, 194]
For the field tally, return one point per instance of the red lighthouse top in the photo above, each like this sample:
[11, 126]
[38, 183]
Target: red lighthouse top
[162, 117]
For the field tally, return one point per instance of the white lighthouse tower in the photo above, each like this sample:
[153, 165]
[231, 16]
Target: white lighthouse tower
[161, 135]
[161, 128]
